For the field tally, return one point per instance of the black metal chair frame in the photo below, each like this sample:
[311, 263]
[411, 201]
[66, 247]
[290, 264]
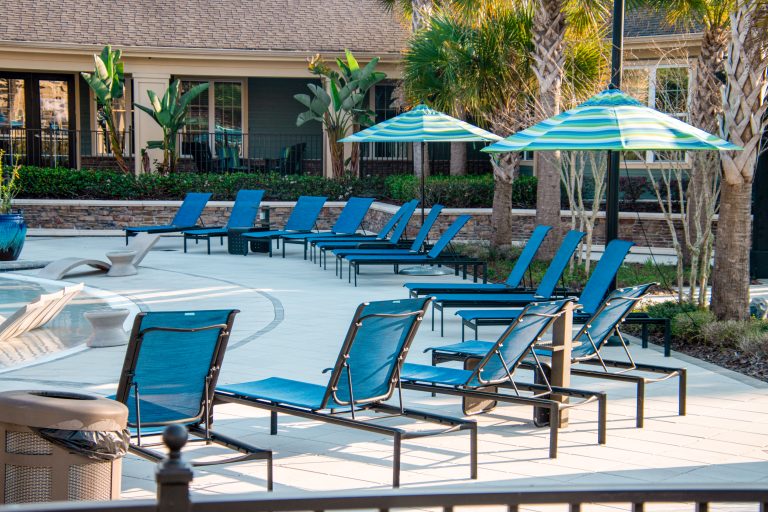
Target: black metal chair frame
[540, 391]
[373, 404]
[198, 425]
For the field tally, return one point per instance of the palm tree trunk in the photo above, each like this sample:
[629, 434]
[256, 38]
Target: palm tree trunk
[422, 9]
[458, 159]
[730, 280]
[505, 168]
[706, 110]
[744, 122]
[548, 60]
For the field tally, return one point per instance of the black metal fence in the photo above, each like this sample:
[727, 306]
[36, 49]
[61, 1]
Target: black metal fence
[173, 477]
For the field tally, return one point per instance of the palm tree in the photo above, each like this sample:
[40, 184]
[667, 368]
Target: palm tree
[484, 64]
[744, 122]
[552, 21]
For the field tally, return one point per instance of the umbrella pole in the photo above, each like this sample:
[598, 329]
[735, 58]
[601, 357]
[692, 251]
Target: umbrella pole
[423, 186]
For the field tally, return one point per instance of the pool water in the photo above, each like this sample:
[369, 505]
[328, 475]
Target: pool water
[67, 330]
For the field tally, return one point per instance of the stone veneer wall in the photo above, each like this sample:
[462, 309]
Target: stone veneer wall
[649, 229]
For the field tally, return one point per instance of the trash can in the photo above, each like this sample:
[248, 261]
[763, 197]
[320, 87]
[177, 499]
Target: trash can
[58, 446]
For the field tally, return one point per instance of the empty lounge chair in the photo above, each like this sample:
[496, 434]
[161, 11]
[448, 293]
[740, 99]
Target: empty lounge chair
[243, 216]
[171, 367]
[364, 376]
[186, 217]
[302, 220]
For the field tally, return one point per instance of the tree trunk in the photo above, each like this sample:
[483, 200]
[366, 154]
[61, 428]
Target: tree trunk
[458, 158]
[730, 280]
[706, 110]
[420, 162]
[744, 122]
[548, 63]
[505, 168]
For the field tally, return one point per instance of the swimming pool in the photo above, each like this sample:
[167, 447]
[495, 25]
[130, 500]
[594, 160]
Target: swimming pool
[66, 332]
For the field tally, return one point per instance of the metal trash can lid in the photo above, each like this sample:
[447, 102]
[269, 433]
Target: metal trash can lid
[63, 410]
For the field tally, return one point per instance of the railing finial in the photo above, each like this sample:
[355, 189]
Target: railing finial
[173, 475]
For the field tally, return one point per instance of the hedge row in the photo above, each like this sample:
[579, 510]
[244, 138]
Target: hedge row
[458, 192]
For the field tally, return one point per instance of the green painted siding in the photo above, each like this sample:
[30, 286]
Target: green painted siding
[272, 113]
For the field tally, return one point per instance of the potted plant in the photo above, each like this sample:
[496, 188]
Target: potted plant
[13, 230]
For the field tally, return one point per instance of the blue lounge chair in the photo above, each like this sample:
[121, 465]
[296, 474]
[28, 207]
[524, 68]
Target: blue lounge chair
[186, 217]
[603, 324]
[590, 298]
[481, 379]
[364, 376]
[514, 280]
[302, 220]
[397, 225]
[435, 256]
[416, 246]
[243, 216]
[347, 224]
[169, 375]
[513, 298]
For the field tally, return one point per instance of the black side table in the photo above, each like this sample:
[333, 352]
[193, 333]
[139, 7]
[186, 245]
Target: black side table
[238, 244]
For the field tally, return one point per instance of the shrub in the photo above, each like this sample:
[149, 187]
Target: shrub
[460, 191]
[45, 183]
[687, 318]
[750, 337]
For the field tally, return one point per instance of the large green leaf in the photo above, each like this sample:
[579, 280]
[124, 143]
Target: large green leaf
[320, 94]
[352, 62]
[305, 117]
[155, 144]
[304, 99]
[101, 68]
[148, 110]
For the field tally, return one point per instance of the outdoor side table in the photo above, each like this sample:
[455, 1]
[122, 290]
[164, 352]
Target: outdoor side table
[237, 244]
[107, 327]
[122, 263]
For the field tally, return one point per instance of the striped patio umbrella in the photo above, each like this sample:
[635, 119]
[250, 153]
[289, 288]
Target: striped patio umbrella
[422, 124]
[611, 121]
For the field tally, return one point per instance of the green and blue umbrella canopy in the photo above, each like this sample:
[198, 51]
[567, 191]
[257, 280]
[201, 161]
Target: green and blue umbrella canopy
[611, 121]
[422, 124]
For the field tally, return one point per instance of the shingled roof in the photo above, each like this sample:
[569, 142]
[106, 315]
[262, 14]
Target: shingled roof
[300, 26]
[262, 25]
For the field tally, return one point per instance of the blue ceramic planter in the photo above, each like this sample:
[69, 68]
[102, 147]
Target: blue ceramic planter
[13, 230]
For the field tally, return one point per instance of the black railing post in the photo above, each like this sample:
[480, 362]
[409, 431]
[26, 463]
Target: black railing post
[173, 475]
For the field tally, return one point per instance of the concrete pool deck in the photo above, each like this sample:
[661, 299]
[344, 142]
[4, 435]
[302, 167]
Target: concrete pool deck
[292, 322]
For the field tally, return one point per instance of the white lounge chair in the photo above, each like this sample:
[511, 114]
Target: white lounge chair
[140, 244]
[38, 312]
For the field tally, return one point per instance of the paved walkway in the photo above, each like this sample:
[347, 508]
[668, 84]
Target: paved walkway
[292, 321]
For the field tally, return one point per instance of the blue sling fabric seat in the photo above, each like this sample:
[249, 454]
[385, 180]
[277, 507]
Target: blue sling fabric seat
[513, 282]
[364, 376]
[415, 248]
[170, 371]
[186, 217]
[347, 224]
[435, 256]
[495, 366]
[302, 220]
[590, 298]
[513, 298]
[243, 216]
[397, 225]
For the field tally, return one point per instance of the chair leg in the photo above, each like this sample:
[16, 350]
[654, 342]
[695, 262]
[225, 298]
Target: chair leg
[473, 452]
[270, 473]
[554, 427]
[602, 418]
[273, 423]
[185, 245]
[396, 461]
[682, 391]
[640, 403]
[209, 244]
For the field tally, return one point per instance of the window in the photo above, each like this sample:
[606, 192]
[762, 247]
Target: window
[665, 88]
[216, 117]
[380, 97]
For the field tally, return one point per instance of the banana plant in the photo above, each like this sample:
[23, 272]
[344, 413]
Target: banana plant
[170, 113]
[342, 108]
[108, 85]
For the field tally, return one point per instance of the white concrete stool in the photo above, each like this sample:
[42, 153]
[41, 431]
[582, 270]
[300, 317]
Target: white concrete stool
[122, 263]
[107, 327]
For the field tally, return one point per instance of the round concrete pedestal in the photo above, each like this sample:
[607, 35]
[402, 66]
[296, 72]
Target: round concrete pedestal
[122, 263]
[107, 327]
